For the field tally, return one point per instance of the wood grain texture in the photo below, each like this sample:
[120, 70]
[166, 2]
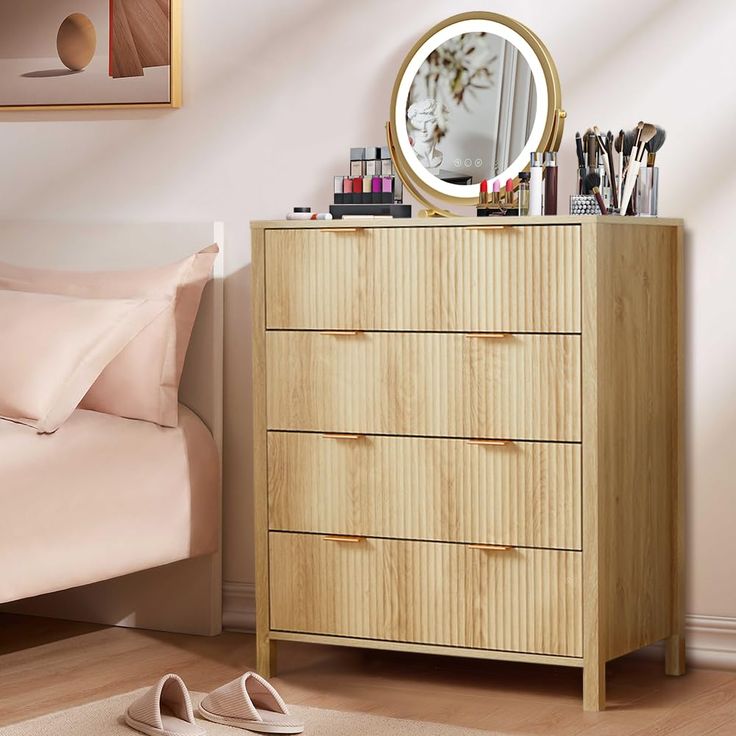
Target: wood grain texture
[124, 58]
[438, 384]
[675, 645]
[631, 456]
[516, 279]
[429, 381]
[521, 494]
[265, 648]
[520, 600]
[141, 36]
[149, 23]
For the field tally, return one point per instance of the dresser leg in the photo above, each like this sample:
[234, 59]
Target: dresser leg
[594, 686]
[266, 657]
[674, 655]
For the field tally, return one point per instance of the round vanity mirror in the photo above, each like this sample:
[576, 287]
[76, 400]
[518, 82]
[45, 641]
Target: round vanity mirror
[474, 98]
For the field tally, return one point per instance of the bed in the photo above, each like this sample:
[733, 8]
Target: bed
[115, 520]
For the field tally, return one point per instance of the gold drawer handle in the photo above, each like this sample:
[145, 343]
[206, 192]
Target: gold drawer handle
[487, 335]
[341, 229]
[489, 443]
[339, 436]
[490, 547]
[481, 228]
[348, 540]
[341, 333]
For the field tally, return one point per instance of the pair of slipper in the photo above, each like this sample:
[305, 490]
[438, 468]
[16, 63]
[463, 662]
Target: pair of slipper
[248, 702]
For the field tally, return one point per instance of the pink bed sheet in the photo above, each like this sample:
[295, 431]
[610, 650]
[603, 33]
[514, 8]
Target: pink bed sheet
[103, 497]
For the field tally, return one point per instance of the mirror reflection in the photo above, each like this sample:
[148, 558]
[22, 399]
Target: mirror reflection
[471, 108]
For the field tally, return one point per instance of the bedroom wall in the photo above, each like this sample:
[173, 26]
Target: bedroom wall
[276, 93]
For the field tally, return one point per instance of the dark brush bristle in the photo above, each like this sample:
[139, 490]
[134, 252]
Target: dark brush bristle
[657, 141]
[629, 141]
[591, 180]
[619, 142]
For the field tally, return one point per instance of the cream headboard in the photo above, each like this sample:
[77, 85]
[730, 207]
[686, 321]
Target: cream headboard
[92, 246]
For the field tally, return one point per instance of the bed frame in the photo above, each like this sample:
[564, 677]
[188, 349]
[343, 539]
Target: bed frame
[185, 596]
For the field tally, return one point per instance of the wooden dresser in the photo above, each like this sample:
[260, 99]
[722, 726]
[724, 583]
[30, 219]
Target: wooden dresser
[468, 438]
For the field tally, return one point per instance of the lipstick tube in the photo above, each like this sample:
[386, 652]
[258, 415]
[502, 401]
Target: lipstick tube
[357, 182]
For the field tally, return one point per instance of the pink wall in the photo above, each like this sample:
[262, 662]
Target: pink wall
[275, 94]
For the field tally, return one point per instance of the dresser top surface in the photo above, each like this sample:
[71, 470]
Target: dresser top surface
[465, 221]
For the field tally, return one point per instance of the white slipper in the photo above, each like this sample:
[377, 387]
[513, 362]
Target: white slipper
[249, 702]
[164, 710]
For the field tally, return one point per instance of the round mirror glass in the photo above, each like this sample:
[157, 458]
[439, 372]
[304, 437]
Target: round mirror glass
[473, 102]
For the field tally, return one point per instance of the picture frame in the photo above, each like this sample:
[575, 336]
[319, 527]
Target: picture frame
[90, 54]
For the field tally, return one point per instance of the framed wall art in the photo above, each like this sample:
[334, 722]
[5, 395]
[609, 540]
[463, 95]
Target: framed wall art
[76, 54]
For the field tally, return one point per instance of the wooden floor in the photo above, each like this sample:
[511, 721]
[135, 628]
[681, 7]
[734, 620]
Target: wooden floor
[49, 665]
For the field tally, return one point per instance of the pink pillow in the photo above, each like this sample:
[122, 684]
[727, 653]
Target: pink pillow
[143, 381]
[54, 348]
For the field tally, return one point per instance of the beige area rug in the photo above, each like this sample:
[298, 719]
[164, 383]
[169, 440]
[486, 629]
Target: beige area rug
[103, 718]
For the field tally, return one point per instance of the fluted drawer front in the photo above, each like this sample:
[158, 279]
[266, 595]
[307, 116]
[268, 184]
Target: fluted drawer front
[512, 279]
[446, 385]
[523, 600]
[523, 493]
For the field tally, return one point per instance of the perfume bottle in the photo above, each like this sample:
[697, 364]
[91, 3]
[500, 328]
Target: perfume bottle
[524, 193]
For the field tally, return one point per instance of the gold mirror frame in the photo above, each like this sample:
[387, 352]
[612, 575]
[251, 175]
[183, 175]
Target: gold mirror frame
[551, 137]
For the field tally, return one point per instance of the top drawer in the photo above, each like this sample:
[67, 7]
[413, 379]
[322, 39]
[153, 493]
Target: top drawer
[449, 279]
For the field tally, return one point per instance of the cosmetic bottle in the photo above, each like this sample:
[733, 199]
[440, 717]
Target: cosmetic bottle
[535, 184]
[387, 168]
[550, 183]
[372, 161]
[523, 193]
[356, 162]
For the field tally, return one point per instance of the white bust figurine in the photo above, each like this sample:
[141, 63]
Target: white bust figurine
[422, 116]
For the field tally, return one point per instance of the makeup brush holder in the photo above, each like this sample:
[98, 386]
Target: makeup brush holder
[647, 191]
[605, 185]
[584, 204]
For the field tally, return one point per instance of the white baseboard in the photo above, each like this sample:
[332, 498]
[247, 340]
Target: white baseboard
[711, 640]
[239, 606]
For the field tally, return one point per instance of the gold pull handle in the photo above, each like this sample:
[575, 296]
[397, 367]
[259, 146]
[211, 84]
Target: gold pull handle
[338, 436]
[486, 335]
[341, 229]
[490, 547]
[489, 443]
[340, 333]
[481, 228]
[347, 540]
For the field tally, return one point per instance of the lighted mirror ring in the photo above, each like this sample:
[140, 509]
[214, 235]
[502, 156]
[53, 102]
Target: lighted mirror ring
[545, 131]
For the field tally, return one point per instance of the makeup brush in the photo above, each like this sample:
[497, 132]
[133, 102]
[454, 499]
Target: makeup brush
[637, 130]
[612, 168]
[607, 157]
[627, 148]
[655, 144]
[592, 184]
[647, 131]
[592, 149]
[619, 146]
[579, 150]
